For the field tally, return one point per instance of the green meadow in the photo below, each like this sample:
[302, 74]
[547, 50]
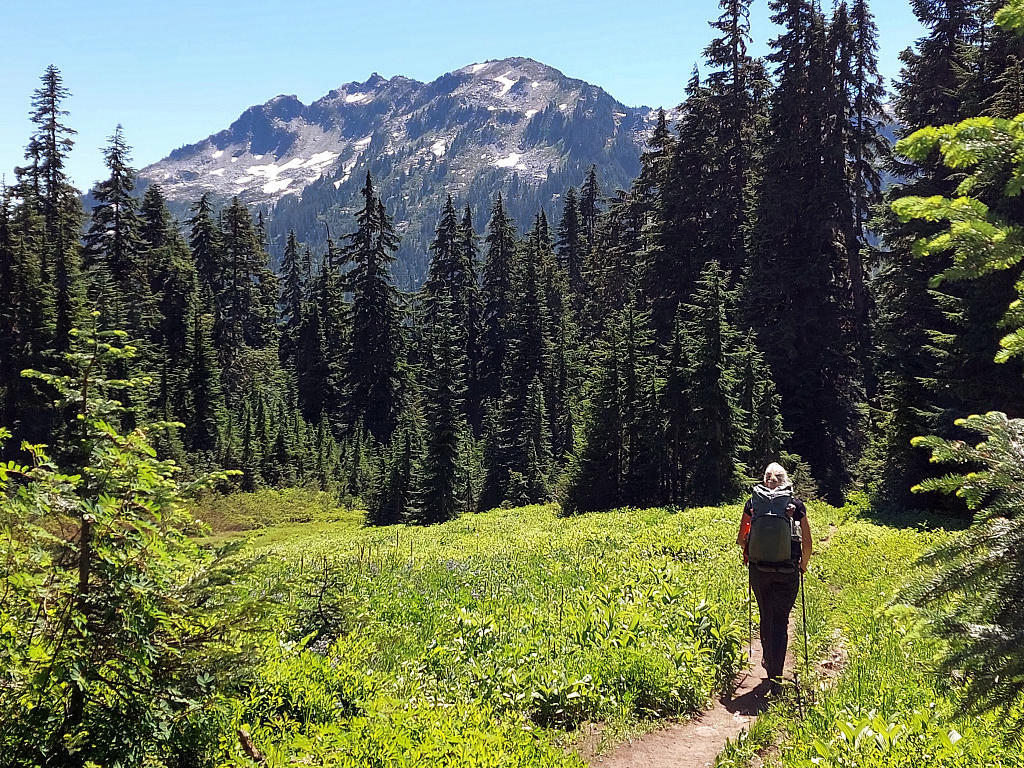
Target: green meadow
[489, 640]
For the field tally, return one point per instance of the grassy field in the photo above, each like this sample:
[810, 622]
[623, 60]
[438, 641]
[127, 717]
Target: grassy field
[490, 639]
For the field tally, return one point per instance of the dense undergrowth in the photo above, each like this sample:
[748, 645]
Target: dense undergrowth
[887, 707]
[485, 641]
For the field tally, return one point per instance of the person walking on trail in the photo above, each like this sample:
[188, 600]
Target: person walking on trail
[776, 540]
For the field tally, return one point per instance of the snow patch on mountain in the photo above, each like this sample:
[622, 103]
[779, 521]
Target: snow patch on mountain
[514, 115]
[506, 83]
[508, 162]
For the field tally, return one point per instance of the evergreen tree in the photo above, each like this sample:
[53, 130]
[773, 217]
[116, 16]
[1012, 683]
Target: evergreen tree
[293, 298]
[797, 294]
[617, 264]
[438, 487]
[676, 407]
[245, 325]
[372, 367]
[733, 112]
[206, 417]
[716, 425]
[590, 206]
[909, 316]
[524, 422]
[671, 272]
[470, 252]
[119, 274]
[571, 249]
[206, 242]
[594, 474]
[769, 435]
[58, 201]
[499, 274]
[393, 501]
[641, 445]
[26, 314]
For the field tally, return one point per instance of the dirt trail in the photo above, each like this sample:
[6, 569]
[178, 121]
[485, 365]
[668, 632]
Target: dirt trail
[698, 742]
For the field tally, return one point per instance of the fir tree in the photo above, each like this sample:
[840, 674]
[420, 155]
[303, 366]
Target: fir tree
[590, 206]
[393, 501]
[120, 279]
[206, 242]
[570, 247]
[671, 272]
[293, 298]
[594, 474]
[499, 274]
[676, 407]
[206, 414]
[372, 366]
[797, 294]
[58, 199]
[733, 118]
[26, 314]
[438, 487]
[716, 423]
[909, 317]
[470, 253]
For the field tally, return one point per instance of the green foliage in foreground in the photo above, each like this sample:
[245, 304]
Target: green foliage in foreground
[887, 707]
[108, 624]
[978, 580]
[476, 642]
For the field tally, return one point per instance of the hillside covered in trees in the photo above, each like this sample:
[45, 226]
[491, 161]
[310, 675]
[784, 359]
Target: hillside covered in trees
[651, 345]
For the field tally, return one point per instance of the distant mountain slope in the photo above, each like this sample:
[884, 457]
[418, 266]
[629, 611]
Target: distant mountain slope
[514, 125]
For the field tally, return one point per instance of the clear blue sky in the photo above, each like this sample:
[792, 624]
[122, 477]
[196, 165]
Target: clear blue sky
[175, 72]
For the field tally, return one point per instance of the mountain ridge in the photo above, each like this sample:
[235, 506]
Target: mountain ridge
[513, 125]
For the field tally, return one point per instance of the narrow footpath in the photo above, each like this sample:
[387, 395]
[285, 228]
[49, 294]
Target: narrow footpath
[698, 742]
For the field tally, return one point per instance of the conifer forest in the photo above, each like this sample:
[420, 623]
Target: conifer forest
[811, 267]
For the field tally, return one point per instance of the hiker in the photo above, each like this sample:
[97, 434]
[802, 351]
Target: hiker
[776, 541]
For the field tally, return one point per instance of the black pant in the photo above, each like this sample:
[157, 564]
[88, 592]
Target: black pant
[775, 592]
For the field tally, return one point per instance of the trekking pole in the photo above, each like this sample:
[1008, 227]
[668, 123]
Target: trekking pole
[803, 603]
[750, 620]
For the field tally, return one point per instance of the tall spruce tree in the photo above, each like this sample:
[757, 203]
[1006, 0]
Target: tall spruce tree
[672, 272]
[797, 293]
[499, 275]
[376, 326]
[294, 293]
[119, 273]
[394, 499]
[716, 426]
[733, 110]
[439, 481]
[26, 316]
[469, 250]
[591, 199]
[524, 424]
[910, 315]
[57, 201]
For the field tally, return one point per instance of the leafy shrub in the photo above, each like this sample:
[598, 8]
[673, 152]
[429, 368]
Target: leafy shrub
[106, 631]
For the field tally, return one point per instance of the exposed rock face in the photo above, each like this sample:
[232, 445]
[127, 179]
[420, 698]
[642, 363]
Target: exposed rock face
[515, 126]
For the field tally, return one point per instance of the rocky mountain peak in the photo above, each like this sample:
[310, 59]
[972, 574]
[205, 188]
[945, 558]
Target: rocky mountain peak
[512, 124]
